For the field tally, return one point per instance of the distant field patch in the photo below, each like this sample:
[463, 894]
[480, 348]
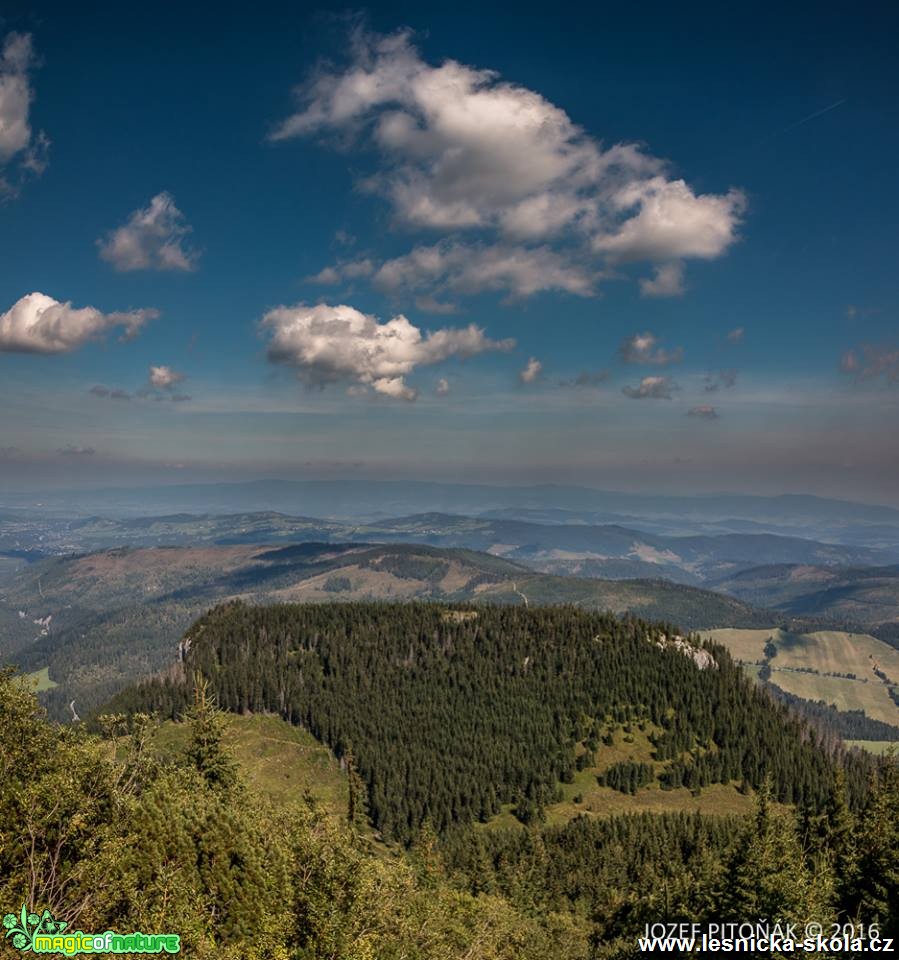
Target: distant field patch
[745, 645]
[823, 652]
[877, 747]
[873, 697]
[41, 679]
[833, 651]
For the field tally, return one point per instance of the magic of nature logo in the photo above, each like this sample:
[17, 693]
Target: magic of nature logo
[41, 933]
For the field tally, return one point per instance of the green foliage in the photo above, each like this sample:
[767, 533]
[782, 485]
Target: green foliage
[206, 750]
[451, 718]
[627, 776]
[130, 844]
[769, 875]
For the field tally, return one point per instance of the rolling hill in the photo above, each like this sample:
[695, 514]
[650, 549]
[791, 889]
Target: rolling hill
[452, 713]
[606, 550]
[867, 595]
[99, 620]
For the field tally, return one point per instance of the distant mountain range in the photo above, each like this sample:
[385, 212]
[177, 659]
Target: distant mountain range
[358, 498]
[609, 551]
[104, 597]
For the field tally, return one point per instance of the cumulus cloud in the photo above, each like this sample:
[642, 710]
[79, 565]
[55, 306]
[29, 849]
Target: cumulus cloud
[330, 344]
[153, 238]
[343, 270]
[462, 268]
[703, 411]
[327, 276]
[532, 371]
[161, 383]
[723, 380]
[73, 451]
[442, 388]
[39, 324]
[669, 222]
[460, 149]
[429, 304]
[667, 281]
[643, 348]
[164, 378]
[737, 335]
[18, 143]
[870, 362]
[652, 388]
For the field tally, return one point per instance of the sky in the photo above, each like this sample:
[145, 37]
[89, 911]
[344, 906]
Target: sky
[647, 248]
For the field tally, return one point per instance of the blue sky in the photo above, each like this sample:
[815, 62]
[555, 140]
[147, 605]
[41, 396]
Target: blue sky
[686, 223]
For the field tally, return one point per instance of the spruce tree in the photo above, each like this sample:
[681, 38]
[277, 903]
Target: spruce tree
[206, 750]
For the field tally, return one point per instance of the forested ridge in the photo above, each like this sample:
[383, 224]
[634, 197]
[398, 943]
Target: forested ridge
[449, 714]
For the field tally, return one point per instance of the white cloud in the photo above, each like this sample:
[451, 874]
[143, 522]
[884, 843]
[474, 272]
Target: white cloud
[460, 268]
[532, 371]
[328, 344]
[17, 140]
[327, 276]
[459, 149]
[442, 388]
[344, 270]
[643, 348]
[161, 383]
[429, 304]
[357, 268]
[153, 238]
[703, 412]
[737, 335]
[653, 388]
[39, 324]
[164, 378]
[667, 281]
[671, 222]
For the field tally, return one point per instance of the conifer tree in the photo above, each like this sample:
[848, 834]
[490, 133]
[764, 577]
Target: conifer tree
[768, 874]
[206, 750]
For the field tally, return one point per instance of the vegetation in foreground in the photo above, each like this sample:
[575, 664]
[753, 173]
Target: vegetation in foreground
[106, 836]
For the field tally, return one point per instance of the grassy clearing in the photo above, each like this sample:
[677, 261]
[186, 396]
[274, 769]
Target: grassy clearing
[41, 679]
[279, 760]
[719, 798]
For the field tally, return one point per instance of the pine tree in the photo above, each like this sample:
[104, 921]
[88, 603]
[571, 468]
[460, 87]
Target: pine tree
[768, 874]
[206, 750]
[356, 802]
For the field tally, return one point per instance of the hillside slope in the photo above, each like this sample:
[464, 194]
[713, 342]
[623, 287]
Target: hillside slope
[452, 713]
[101, 620]
[867, 595]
